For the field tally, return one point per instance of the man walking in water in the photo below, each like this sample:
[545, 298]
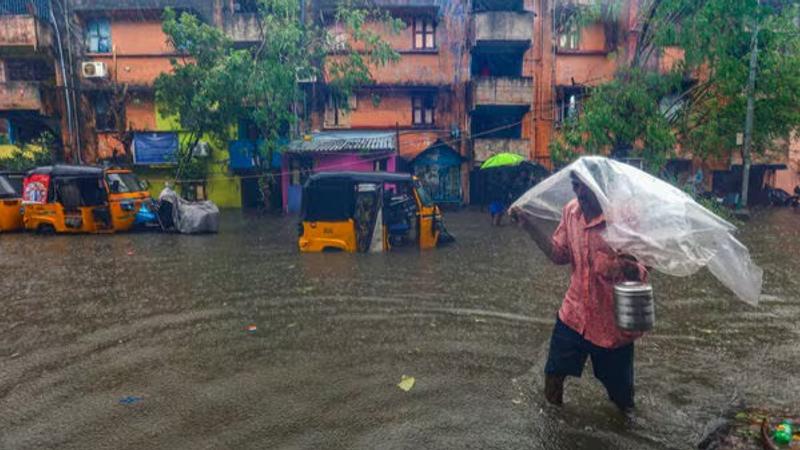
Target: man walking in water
[586, 326]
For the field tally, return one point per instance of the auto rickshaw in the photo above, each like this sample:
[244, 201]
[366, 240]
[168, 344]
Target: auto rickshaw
[367, 211]
[66, 199]
[126, 195]
[11, 201]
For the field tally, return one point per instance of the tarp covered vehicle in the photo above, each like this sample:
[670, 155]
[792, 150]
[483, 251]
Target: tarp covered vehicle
[187, 217]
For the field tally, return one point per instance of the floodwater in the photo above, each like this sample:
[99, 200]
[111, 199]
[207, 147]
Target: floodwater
[138, 341]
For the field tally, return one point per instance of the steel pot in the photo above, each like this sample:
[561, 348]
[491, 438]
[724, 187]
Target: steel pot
[634, 307]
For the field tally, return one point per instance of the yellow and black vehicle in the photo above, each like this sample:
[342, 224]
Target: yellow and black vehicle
[66, 199]
[367, 211]
[11, 201]
[126, 195]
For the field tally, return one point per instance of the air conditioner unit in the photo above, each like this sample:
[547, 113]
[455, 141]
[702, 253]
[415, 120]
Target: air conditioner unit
[94, 69]
[201, 150]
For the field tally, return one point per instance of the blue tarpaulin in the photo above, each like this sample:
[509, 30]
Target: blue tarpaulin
[242, 154]
[154, 148]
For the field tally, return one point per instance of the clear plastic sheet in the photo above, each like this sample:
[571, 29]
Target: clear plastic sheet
[652, 220]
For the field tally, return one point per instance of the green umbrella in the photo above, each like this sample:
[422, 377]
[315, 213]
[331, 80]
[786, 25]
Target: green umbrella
[502, 160]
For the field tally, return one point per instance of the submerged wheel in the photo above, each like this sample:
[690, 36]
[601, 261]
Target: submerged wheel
[46, 229]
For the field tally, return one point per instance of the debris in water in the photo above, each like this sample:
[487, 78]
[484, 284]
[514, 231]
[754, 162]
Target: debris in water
[516, 401]
[406, 383]
[130, 400]
[130, 252]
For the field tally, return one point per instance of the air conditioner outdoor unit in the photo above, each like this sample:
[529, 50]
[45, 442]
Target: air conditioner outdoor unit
[94, 69]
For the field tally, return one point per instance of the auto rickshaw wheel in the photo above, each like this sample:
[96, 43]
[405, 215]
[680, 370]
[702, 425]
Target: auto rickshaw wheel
[46, 229]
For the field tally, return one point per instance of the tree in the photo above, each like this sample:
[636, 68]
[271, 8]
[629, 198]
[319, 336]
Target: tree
[215, 84]
[701, 103]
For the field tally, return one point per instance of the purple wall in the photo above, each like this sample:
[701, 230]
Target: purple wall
[341, 162]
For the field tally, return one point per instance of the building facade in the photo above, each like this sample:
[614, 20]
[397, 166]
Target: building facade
[474, 78]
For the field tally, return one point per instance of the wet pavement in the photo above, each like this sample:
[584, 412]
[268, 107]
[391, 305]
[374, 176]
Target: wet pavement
[139, 341]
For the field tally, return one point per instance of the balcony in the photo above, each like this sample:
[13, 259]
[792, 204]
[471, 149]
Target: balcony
[20, 96]
[204, 9]
[502, 91]
[327, 5]
[502, 28]
[242, 27]
[483, 149]
[23, 33]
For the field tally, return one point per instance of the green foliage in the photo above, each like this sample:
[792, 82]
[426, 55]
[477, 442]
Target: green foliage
[38, 152]
[216, 83]
[700, 105]
[623, 118]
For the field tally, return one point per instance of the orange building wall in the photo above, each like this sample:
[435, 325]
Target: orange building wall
[140, 112]
[132, 37]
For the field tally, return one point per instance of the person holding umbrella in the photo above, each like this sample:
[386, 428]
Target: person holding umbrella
[500, 184]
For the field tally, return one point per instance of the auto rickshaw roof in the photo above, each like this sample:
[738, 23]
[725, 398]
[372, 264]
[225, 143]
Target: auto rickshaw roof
[66, 170]
[361, 177]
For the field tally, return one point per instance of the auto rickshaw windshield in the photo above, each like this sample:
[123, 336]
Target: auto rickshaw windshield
[123, 182]
[424, 197]
[6, 189]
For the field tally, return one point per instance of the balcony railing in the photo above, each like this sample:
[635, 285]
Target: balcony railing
[242, 27]
[503, 26]
[502, 91]
[20, 95]
[483, 149]
[24, 32]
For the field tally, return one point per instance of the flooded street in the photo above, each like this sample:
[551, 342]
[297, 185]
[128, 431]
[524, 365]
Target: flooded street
[140, 341]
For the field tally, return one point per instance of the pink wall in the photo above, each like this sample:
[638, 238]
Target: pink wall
[349, 162]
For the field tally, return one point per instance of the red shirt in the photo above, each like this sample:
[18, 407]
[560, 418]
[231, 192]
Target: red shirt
[588, 306]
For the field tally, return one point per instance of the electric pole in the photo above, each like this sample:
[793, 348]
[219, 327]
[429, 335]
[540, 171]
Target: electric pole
[748, 120]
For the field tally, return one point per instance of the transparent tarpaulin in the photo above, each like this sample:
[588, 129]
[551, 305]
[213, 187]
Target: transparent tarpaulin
[652, 220]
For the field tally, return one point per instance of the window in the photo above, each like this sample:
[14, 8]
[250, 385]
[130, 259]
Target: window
[380, 165]
[98, 36]
[245, 6]
[337, 111]
[569, 38]
[569, 106]
[424, 34]
[28, 70]
[104, 117]
[422, 109]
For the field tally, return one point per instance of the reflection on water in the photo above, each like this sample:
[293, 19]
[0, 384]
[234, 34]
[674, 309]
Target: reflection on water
[90, 320]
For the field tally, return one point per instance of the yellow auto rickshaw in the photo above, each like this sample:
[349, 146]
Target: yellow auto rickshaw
[126, 195]
[66, 199]
[367, 211]
[11, 201]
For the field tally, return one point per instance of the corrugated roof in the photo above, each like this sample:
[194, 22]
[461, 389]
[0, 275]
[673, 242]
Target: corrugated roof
[346, 142]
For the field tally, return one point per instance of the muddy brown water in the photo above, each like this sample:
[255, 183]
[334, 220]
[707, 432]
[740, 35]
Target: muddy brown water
[160, 320]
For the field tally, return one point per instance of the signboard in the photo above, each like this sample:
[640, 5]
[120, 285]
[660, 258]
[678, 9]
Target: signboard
[155, 148]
